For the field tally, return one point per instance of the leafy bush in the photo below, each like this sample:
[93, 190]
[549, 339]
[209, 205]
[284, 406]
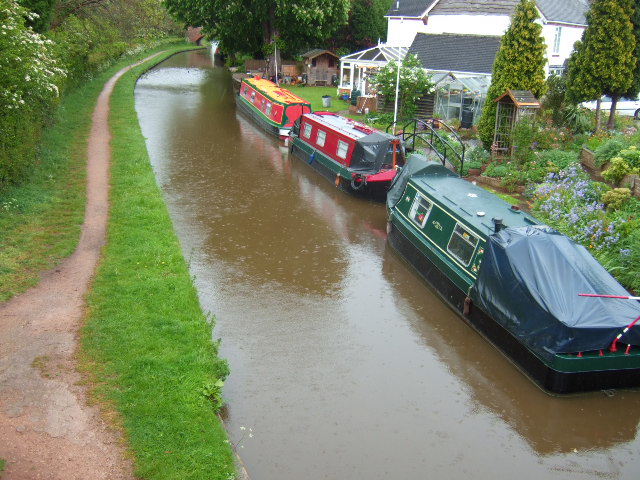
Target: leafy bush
[614, 199]
[627, 162]
[524, 139]
[414, 83]
[477, 155]
[577, 118]
[497, 170]
[609, 149]
[556, 160]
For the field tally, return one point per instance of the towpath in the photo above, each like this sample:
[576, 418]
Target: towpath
[48, 430]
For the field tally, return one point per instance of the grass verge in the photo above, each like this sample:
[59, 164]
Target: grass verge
[147, 344]
[40, 220]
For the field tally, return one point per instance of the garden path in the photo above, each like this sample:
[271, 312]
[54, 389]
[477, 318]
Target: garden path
[48, 429]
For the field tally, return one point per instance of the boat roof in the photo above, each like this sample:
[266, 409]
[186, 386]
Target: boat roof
[473, 204]
[344, 125]
[275, 92]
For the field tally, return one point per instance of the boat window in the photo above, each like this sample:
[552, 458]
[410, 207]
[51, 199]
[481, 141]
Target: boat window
[462, 245]
[343, 148]
[253, 96]
[321, 138]
[307, 130]
[268, 108]
[420, 210]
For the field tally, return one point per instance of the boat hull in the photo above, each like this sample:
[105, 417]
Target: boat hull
[548, 378]
[331, 171]
[259, 119]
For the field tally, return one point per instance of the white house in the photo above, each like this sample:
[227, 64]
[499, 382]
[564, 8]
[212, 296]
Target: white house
[563, 22]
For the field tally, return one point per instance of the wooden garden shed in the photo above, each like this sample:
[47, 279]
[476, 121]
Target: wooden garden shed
[320, 66]
[513, 106]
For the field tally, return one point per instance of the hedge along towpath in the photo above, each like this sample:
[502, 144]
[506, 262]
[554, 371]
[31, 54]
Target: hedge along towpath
[47, 430]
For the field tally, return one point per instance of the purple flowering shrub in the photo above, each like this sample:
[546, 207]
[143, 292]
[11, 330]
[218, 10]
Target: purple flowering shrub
[571, 202]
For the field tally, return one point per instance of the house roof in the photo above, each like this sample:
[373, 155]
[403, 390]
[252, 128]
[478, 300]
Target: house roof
[566, 11]
[409, 8]
[560, 11]
[456, 53]
[316, 52]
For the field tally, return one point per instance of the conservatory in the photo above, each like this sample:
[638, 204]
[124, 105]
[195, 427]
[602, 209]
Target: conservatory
[356, 68]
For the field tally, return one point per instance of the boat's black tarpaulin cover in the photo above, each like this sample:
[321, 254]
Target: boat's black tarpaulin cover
[371, 152]
[529, 282]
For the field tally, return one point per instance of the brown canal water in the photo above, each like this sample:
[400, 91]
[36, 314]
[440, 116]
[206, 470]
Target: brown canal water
[344, 364]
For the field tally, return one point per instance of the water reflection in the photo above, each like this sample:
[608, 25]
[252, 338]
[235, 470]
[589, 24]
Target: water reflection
[344, 363]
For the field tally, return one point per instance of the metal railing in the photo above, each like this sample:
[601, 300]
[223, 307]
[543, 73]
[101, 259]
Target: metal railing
[428, 133]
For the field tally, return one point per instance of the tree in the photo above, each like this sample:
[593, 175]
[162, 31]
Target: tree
[367, 24]
[635, 19]
[44, 11]
[244, 26]
[604, 63]
[519, 64]
[414, 82]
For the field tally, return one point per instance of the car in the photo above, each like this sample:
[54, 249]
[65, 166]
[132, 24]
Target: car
[624, 106]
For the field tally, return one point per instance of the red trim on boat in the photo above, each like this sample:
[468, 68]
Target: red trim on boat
[384, 176]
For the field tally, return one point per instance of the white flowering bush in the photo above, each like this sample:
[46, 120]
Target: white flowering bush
[414, 83]
[28, 70]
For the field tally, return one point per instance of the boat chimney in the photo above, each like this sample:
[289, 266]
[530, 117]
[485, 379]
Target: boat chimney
[498, 225]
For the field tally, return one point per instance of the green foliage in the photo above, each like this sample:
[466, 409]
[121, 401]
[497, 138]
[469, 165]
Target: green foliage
[245, 29]
[44, 11]
[608, 150]
[367, 24]
[604, 62]
[578, 119]
[616, 198]
[556, 160]
[477, 155]
[627, 162]
[496, 170]
[524, 136]
[414, 83]
[519, 65]
[554, 100]
[634, 90]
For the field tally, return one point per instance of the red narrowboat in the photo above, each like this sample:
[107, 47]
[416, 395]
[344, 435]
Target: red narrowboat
[274, 108]
[358, 158]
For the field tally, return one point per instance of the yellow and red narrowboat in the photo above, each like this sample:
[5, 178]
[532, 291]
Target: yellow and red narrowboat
[272, 107]
[356, 157]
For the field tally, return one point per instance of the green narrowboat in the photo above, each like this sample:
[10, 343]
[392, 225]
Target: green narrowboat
[517, 282]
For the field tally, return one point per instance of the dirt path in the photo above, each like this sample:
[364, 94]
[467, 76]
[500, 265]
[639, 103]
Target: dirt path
[47, 430]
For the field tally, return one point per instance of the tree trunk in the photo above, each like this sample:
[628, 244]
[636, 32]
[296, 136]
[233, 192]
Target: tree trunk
[611, 124]
[270, 35]
[598, 105]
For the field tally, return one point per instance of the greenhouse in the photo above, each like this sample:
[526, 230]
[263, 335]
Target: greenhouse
[460, 96]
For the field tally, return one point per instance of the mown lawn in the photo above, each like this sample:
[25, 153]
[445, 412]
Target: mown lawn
[147, 344]
[40, 220]
[314, 95]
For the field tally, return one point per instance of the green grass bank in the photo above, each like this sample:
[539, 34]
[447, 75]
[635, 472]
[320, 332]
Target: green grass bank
[40, 219]
[147, 343]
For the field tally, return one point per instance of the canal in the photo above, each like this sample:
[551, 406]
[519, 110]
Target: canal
[343, 363]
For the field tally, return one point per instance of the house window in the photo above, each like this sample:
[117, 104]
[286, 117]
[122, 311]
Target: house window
[420, 210]
[556, 70]
[307, 130]
[462, 245]
[343, 148]
[313, 62]
[332, 62]
[321, 138]
[556, 40]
